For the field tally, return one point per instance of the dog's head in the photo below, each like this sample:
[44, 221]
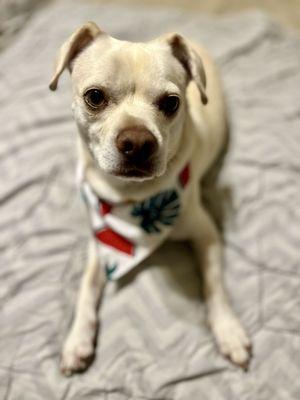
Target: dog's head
[129, 98]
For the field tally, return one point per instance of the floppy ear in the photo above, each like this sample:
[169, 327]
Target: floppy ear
[81, 38]
[191, 62]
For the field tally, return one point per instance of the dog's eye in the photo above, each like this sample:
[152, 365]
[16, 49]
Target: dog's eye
[169, 104]
[94, 98]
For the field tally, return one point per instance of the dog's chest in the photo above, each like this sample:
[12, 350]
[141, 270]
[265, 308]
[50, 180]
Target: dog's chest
[129, 232]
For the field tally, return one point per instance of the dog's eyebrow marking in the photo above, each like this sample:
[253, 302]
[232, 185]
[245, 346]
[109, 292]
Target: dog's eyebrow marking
[94, 86]
[164, 94]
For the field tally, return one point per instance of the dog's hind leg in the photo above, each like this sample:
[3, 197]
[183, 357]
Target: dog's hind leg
[79, 347]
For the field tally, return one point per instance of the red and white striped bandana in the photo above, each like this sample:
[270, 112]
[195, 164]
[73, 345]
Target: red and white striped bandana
[129, 232]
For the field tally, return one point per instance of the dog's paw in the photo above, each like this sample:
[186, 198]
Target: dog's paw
[78, 353]
[232, 340]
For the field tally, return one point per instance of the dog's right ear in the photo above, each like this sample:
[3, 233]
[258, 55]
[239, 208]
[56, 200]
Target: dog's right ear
[81, 38]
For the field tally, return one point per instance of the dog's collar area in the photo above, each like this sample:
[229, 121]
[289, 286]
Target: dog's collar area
[183, 179]
[128, 232]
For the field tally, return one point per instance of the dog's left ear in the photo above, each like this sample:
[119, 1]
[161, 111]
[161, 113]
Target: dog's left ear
[81, 38]
[191, 62]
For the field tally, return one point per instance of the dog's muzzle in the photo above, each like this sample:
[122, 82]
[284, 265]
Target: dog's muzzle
[138, 147]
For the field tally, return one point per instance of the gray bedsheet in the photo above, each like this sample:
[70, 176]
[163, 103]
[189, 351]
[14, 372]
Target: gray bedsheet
[153, 343]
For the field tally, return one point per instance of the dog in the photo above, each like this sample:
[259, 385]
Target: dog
[151, 120]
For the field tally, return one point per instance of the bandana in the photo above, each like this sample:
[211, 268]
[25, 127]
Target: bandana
[128, 232]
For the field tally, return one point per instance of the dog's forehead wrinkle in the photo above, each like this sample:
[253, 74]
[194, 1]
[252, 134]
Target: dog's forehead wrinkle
[149, 73]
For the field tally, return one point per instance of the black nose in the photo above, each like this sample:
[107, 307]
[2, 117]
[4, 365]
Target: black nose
[137, 144]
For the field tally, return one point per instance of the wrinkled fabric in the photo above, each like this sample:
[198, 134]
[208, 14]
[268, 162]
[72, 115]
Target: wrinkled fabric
[153, 342]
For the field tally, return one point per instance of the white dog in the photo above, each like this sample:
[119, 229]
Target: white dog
[151, 120]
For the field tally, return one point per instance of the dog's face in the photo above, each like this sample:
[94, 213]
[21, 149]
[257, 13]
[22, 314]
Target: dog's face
[129, 99]
[129, 102]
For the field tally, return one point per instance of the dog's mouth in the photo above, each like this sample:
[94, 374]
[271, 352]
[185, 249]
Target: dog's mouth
[145, 171]
[133, 173]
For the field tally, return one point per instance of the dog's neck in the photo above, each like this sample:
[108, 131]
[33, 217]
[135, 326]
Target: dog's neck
[119, 190]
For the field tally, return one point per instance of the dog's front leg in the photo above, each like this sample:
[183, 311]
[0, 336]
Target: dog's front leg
[230, 336]
[79, 348]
